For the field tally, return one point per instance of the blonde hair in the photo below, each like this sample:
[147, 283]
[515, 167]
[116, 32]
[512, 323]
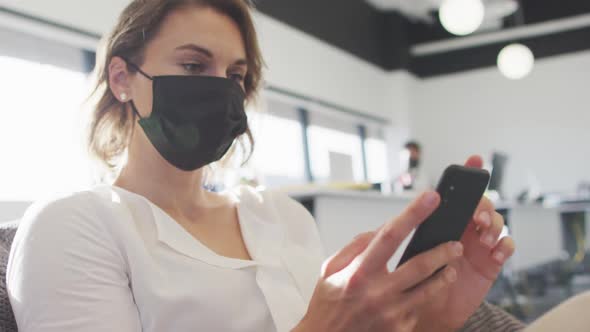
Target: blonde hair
[111, 123]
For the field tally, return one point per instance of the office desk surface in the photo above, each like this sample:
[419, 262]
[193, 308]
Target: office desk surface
[335, 193]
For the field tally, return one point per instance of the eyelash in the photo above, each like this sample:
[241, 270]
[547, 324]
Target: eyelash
[237, 77]
[188, 66]
[196, 68]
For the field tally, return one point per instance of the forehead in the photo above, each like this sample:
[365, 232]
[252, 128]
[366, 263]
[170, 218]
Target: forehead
[203, 26]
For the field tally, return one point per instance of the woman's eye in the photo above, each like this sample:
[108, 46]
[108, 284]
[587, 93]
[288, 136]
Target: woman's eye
[192, 67]
[237, 77]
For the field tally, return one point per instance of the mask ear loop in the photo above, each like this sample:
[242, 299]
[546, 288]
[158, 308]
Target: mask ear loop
[135, 109]
[136, 67]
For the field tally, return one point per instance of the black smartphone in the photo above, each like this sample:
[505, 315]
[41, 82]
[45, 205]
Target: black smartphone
[461, 190]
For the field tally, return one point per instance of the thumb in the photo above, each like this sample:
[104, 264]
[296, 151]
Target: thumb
[474, 162]
[345, 256]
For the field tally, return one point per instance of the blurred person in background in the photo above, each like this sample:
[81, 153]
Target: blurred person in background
[414, 177]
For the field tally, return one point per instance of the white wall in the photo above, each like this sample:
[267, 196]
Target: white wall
[542, 122]
[303, 64]
[400, 85]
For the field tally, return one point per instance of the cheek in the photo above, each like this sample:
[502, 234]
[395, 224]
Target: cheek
[142, 96]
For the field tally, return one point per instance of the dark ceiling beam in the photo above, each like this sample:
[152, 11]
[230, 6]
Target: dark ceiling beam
[486, 55]
[537, 11]
[354, 26]
[396, 44]
[386, 38]
[534, 11]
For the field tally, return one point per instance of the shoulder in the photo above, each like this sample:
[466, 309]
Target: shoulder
[57, 209]
[64, 232]
[64, 263]
[84, 213]
[79, 205]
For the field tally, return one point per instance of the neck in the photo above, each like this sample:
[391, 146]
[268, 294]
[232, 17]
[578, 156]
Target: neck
[173, 190]
[178, 192]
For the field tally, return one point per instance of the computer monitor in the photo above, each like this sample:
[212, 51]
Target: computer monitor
[341, 167]
[499, 162]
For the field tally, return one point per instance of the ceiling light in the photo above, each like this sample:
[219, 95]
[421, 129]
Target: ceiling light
[461, 17]
[516, 61]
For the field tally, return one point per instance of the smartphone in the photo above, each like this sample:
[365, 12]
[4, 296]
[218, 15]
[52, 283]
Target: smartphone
[461, 190]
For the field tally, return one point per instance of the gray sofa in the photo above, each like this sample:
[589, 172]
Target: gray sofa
[7, 322]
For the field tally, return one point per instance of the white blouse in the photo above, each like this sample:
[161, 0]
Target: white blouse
[110, 260]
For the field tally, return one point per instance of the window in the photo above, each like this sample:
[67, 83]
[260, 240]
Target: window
[335, 146]
[41, 139]
[376, 150]
[278, 158]
[335, 149]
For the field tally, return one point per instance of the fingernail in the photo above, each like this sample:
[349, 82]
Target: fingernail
[484, 217]
[499, 257]
[451, 275]
[458, 249]
[429, 199]
[488, 240]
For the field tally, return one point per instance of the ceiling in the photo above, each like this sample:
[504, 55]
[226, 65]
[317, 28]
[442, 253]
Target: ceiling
[385, 32]
[416, 9]
[423, 10]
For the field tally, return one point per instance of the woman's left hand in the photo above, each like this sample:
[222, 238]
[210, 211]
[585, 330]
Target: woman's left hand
[484, 255]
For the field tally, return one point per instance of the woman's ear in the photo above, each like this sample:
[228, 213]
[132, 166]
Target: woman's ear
[120, 79]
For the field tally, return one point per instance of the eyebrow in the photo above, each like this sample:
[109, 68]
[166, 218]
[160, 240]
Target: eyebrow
[241, 63]
[193, 47]
[207, 53]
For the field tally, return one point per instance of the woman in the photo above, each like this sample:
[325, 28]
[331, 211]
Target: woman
[156, 252]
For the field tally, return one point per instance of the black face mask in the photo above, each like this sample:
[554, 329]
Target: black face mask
[194, 119]
[414, 163]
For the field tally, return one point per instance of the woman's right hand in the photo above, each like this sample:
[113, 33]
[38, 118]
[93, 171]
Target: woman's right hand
[356, 291]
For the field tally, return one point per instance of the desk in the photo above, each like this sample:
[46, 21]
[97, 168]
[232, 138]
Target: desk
[540, 231]
[578, 208]
[537, 233]
[536, 229]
